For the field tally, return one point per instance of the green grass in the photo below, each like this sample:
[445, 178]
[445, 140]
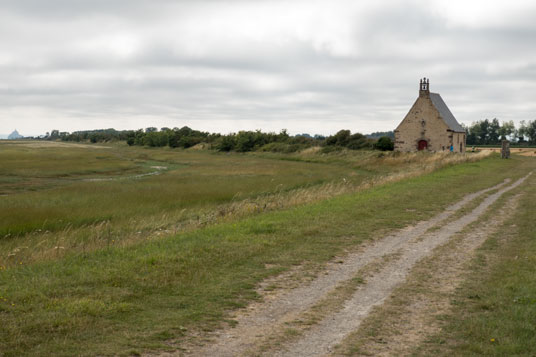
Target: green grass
[22, 161]
[125, 300]
[49, 189]
[494, 311]
[34, 166]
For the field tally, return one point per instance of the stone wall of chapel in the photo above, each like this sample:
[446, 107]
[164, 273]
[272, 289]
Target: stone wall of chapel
[458, 142]
[423, 123]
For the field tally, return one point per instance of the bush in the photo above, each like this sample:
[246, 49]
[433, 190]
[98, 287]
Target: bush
[344, 138]
[283, 147]
[225, 143]
[331, 148]
[358, 141]
[384, 144]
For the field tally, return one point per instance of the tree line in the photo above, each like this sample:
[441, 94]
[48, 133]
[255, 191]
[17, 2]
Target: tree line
[242, 141]
[94, 136]
[483, 132]
[491, 132]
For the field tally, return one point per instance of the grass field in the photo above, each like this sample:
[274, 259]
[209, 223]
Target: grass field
[99, 260]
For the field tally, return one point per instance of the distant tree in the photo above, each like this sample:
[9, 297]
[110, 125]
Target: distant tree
[156, 139]
[226, 143]
[528, 130]
[305, 135]
[54, 134]
[282, 136]
[522, 131]
[493, 132]
[189, 141]
[303, 140]
[151, 129]
[139, 137]
[340, 139]
[358, 141]
[245, 141]
[379, 134]
[174, 138]
[507, 130]
[531, 132]
[185, 131]
[384, 144]
[484, 132]
[344, 138]
[131, 138]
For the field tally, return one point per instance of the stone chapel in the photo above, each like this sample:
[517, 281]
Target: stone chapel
[429, 125]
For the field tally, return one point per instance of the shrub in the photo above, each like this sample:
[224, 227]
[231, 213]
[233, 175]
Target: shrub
[225, 143]
[384, 144]
[283, 147]
[331, 148]
[344, 138]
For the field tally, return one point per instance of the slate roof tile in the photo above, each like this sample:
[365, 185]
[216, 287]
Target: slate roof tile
[445, 113]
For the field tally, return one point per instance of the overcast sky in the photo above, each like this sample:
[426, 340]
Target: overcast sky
[222, 66]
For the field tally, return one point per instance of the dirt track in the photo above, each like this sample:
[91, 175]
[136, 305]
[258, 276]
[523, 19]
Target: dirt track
[263, 329]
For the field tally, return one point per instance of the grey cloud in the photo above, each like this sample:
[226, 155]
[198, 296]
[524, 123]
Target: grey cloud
[67, 9]
[478, 70]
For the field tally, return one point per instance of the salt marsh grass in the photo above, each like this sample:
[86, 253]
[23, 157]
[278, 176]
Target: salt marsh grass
[98, 197]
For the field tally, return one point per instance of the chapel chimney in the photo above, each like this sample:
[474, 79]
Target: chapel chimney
[424, 88]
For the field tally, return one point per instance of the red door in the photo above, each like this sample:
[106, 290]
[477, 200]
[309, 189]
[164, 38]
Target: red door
[423, 144]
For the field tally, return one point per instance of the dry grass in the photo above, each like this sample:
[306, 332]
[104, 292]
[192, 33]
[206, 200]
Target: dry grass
[517, 151]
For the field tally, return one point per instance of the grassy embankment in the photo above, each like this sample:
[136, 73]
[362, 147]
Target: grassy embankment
[494, 311]
[127, 299]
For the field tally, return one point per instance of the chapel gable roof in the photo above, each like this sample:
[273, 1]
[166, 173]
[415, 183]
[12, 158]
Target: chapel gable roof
[445, 113]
